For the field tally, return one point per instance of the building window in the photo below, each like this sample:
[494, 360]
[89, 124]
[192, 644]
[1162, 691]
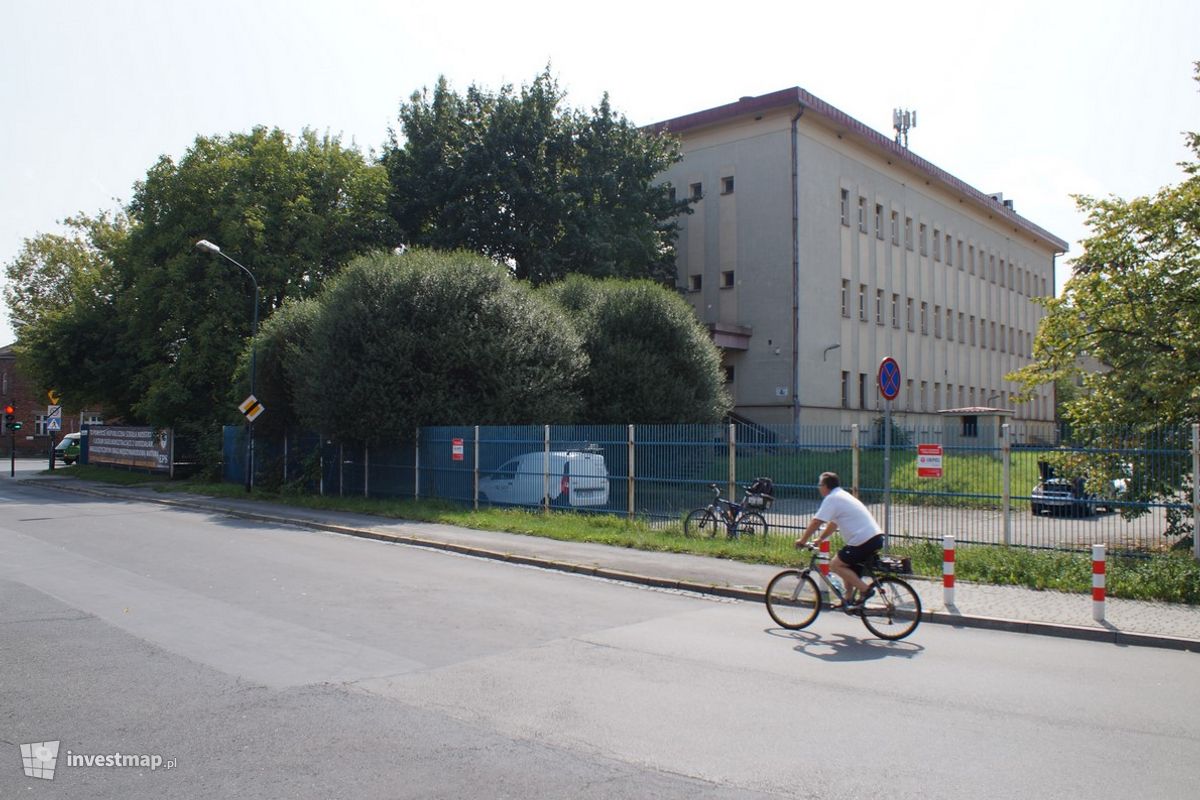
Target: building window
[697, 191]
[729, 373]
[992, 269]
[1003, 340]
[1010, 274]
[846, 207]
[937, 245]
[92, 418]
[695, 282]
[896, 228]
[924, 243]
[972, 330]
[845, 389]
[949, 257]
[993, 333]
[895, 310]
[845, 298]
[1001, 276]
[39, 425]
[971, 251]
[924, 396]
[727, 279]
[878, 221]
[862, 214]
[949, 324]
[908, 395]
[970, 426]
[862, 390]
[961, 332]
[908, 233]
[924, 318]
[908, 314]
[879, 306]
[862, 302]
[937, 322]
[937, 396]
[727, 185]
[960, 254]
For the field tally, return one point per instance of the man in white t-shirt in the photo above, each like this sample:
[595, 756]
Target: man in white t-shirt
[864, 538]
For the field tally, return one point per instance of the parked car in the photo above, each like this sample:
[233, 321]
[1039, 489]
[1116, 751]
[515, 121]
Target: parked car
[578, 479]
[67, 451]
[1059, 495]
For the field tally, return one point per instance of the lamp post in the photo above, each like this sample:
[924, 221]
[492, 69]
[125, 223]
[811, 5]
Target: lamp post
[209, 247]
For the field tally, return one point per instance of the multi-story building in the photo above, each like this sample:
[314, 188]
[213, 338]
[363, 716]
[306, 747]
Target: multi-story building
[31, 407]
[818, 246]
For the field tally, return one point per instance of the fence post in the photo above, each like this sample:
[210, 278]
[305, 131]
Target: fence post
[854, 454]
[321, 462]
[631, 476]
[417, 466]
[366, 469]
[341, 470]
[1098, 587]
[732, 462]
[546, 473]
[475, 481]
[1006, 456]
[1196, 491]
[948, 570]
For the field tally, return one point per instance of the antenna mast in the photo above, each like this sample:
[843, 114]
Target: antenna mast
[902, 120]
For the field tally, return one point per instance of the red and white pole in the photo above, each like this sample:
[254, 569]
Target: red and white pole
[948, 569]
[1098, 587]
[824, 558]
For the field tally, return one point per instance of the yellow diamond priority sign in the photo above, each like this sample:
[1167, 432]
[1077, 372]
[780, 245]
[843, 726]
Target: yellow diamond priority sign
[252, 408]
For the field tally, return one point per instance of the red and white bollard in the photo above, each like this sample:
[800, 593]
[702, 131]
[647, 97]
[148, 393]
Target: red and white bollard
[824, 557]
[1098, 587]
[948, 570]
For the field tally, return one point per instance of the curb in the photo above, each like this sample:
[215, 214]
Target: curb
[1105, 635]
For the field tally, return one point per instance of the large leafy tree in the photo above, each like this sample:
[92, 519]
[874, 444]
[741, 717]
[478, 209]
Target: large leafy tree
[1127, 325]
[428, 338]
[650, 359]
[59, 295]
[293, 210]
[543, 188]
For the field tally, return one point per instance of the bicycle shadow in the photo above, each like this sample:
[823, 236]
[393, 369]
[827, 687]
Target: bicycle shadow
[840, 647]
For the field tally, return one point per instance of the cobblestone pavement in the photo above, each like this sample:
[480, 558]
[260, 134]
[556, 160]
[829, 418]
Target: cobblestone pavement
[975, 604]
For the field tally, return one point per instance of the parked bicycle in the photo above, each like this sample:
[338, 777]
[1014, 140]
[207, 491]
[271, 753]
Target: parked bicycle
[891, 611]
[738, 520]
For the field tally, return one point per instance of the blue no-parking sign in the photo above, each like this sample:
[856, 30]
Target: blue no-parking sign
[889, 378]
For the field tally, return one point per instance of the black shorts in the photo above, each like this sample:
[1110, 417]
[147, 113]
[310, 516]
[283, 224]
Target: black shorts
[857, 555]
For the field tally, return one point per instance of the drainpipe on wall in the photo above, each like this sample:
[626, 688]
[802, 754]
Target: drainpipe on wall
[796, 278]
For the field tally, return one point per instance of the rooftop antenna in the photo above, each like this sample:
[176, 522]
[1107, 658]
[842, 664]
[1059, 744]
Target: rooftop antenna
[902, 120]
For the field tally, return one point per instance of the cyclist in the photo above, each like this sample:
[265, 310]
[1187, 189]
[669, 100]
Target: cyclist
[864, 537]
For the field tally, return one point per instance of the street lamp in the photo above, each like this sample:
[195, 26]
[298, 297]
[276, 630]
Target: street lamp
[208, 247]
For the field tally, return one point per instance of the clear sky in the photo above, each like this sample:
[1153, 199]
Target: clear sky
[1037, 99]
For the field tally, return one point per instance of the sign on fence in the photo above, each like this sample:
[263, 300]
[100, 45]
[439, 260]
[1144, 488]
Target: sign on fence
[143, 448]
[929, 461]
[456, 449]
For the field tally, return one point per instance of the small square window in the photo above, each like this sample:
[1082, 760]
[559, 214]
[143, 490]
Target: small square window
[697, 191]
[727, 185]
[695, 282]
[727, 279]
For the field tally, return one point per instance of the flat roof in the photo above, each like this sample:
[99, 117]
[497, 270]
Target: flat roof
[795, 96]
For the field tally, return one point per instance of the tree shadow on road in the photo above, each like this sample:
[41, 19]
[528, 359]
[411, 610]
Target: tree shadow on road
[840, 647]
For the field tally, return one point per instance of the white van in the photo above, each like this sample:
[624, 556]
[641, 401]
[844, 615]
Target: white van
[578, 479]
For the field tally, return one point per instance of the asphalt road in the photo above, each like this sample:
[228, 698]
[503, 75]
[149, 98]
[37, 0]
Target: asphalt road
[275, 662]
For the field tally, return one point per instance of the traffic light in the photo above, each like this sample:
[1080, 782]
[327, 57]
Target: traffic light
[10, 418]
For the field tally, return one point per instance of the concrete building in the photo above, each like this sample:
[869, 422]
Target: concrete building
[818, 246]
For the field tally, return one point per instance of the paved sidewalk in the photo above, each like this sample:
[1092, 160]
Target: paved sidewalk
[1132, 622]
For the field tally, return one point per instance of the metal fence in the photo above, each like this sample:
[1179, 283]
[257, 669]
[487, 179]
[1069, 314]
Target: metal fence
[658, 473]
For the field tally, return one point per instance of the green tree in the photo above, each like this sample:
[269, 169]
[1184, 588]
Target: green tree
[293, 210]
[59, 298]
[428, 338]
[650, 359]
[1128, 326]
[280, 339]
[545, 189]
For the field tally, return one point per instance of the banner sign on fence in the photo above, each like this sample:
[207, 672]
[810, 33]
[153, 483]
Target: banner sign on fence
[143, 448]
[929, 461]
[456, 449]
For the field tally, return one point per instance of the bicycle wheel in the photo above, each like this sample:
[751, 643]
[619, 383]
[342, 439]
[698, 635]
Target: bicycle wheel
[701, 523]
[894, 611]
[750, 525]
[793, 599]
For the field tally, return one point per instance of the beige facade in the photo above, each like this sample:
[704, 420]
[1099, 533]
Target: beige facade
[818, 246]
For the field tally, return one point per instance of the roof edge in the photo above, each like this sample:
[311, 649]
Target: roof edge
[804, 100]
